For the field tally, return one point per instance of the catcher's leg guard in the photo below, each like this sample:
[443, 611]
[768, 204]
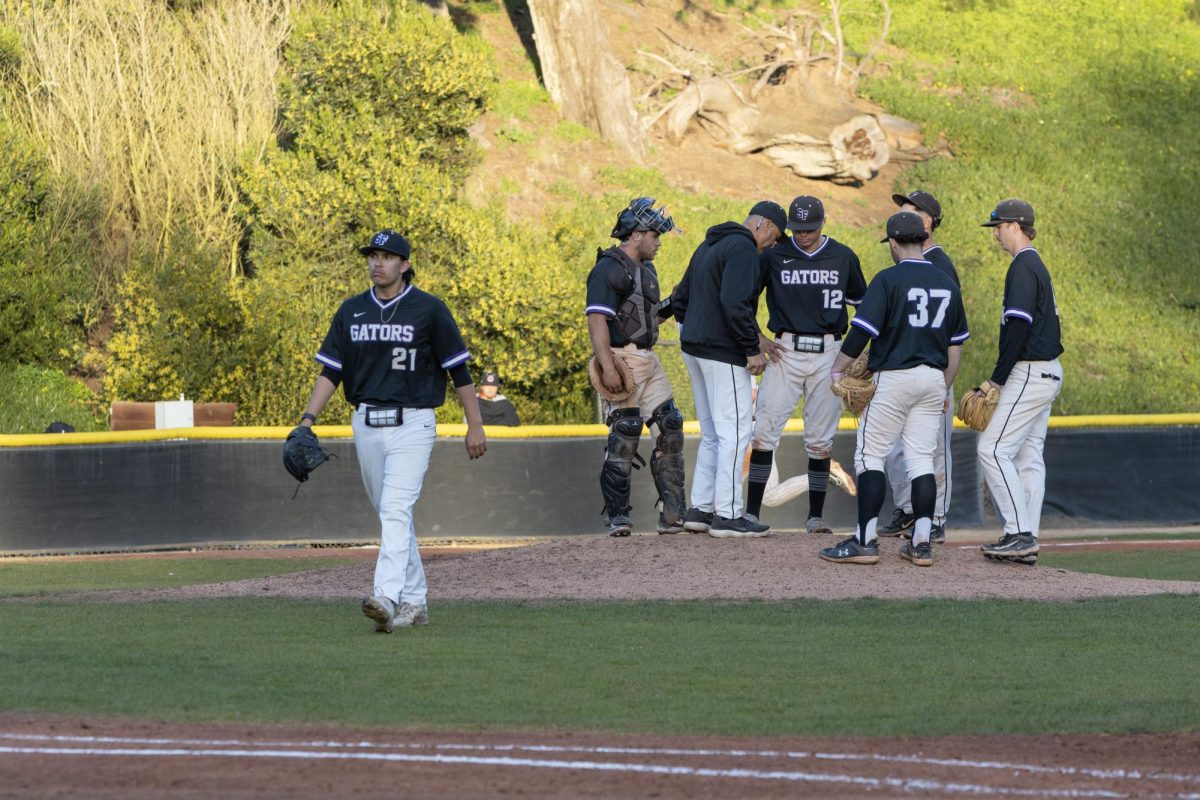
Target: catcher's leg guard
[666, 462]
[625, 428]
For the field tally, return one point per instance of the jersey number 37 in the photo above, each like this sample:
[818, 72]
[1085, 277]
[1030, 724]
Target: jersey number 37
[920, 316]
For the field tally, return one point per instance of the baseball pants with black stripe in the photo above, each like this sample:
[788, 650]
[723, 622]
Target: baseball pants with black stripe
[721, 392]
[1010, 450]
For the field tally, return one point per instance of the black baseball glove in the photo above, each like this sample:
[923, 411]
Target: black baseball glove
[302, 452]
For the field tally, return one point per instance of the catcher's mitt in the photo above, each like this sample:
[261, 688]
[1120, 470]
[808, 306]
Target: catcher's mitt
[302, 452]
[627, 383]
[976, 409]
[855, 386]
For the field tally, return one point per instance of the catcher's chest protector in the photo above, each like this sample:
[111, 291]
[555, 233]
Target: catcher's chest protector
[634, 317]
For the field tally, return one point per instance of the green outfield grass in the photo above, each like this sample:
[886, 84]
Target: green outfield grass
[59, 577]
[764, 669]
[1168, 565]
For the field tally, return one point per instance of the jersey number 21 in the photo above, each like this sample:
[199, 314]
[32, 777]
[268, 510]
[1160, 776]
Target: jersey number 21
[920, 318]
[404, 358]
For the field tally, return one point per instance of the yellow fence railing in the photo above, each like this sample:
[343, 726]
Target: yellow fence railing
[523, 432]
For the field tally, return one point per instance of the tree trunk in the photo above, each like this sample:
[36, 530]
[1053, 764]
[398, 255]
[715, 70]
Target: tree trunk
[581, 73]
[838, 143]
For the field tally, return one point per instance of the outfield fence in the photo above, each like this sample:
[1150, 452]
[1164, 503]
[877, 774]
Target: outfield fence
[88, 492]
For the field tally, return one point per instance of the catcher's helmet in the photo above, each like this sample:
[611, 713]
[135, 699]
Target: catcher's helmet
[641, 215]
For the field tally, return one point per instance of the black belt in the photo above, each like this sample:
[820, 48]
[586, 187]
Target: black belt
[837, 337]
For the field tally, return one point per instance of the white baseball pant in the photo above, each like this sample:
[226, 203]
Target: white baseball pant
[907, 406]
[393, 462]
[722, 395]
[1010, 450]
[782, 385]
[898, 477]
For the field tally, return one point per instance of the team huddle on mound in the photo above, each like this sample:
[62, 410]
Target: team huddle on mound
[392, 348]
[892, 364]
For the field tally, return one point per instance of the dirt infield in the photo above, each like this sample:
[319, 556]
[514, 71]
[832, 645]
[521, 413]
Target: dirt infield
[56, 757]
[694, 567]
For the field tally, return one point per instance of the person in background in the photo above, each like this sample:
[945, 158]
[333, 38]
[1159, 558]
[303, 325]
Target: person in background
[495, 408]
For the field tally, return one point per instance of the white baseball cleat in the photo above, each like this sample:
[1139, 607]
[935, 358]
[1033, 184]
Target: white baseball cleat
[382, 611]
[839, 477]
[410, 615]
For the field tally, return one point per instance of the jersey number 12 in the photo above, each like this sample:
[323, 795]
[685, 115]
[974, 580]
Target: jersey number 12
[833, 298]
[404, 358]
[921, 297]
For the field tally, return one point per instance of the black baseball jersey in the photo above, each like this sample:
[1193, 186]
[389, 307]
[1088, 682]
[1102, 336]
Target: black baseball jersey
[937, 256]
[914, 313]
[394, 353]
[807, 293]
[611, 291]
[1029, 295]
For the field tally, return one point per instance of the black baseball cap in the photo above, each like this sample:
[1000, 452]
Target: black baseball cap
[905, 225]
[807, 213]
[922, 200]
[388, 241]
[489, 378]
[1011, 211]
[772, 212]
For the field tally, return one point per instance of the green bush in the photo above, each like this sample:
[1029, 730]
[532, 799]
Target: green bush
[175, 324]
[44, 264]
[32, 397]
[410, 71]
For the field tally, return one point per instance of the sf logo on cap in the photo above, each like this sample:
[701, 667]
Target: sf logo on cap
[801, 212]
[380, 238]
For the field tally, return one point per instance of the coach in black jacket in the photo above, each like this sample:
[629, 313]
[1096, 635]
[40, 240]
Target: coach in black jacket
[715, 305]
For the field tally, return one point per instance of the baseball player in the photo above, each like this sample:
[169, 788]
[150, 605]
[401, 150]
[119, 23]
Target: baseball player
[715, 304]
[623, 312]
[390, 348]
[913, 314]
[809, 279]
[1029, 377]
[926, 206]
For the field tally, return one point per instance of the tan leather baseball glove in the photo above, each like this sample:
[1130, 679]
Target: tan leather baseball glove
[976, 409]
[627, 384]
[856, 386]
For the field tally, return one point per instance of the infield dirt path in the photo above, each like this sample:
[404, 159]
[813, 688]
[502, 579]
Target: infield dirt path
[55, 757]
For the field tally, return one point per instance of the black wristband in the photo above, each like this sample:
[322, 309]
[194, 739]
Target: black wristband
[308, 416]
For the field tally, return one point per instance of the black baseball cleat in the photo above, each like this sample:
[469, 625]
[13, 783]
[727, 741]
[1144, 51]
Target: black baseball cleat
[619, 525]
[665, 527]
[919, 554]
[737, 528]
[1012, 545]
[849, 551]
[1029, 560]
[697, 521]
[900, 523]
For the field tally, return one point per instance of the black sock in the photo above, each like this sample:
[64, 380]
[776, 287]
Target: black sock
[924, 495]
[756, 482]
[818, 484]
[872, 486]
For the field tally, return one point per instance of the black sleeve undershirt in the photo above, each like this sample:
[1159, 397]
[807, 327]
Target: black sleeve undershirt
[1012, 340]
[461, 375]
[332, 375]
[855, 342]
